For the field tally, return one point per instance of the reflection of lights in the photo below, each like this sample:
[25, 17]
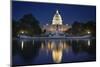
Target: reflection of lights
[56, 48]
[57, 55]
[64, 46]
[47, 52]
[89, 42]
[33, 42]
[52, 46]
[61, 45]
[22, 44]
[42, 45]
[49, 46]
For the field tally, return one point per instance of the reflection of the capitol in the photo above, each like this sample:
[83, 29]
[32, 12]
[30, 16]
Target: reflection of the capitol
[56, 48]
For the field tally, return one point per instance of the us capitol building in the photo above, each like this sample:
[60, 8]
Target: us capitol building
[57, 25]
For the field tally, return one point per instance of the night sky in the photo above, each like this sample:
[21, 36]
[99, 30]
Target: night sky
[44, 12]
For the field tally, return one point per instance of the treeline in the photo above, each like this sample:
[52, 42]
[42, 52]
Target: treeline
[79, 28]
[28, 25]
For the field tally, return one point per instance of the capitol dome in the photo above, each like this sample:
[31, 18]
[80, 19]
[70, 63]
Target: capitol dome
[57, 19]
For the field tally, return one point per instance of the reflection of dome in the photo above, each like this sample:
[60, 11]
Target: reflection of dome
[57, 20]
[57, 56]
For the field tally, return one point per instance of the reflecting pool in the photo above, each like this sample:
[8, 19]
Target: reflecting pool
[50, 51]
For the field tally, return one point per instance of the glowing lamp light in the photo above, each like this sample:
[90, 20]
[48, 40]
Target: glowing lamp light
[88, 32]
[22, 32]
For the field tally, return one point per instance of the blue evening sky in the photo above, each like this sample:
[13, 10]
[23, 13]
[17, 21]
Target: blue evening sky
[44, 12]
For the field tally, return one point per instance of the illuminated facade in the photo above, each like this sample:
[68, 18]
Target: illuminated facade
[56, 25]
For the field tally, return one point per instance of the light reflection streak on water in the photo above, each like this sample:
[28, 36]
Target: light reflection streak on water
[56, 48]
[22, 44]
[33, 42]
[89, 42]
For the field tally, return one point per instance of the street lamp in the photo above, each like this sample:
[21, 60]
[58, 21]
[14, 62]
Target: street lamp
[88, 32]
[22, 32]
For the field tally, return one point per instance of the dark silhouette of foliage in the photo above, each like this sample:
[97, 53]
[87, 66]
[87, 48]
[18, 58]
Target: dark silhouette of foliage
[32, 27]
[27, 23]
[15, 26]
[79, 28]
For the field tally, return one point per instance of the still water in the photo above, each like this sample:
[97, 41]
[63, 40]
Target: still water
[50, 51]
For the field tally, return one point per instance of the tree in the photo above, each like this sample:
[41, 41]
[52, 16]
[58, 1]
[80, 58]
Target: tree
[76, 28]
[90, 26]
[15, 25]
[29, 23]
